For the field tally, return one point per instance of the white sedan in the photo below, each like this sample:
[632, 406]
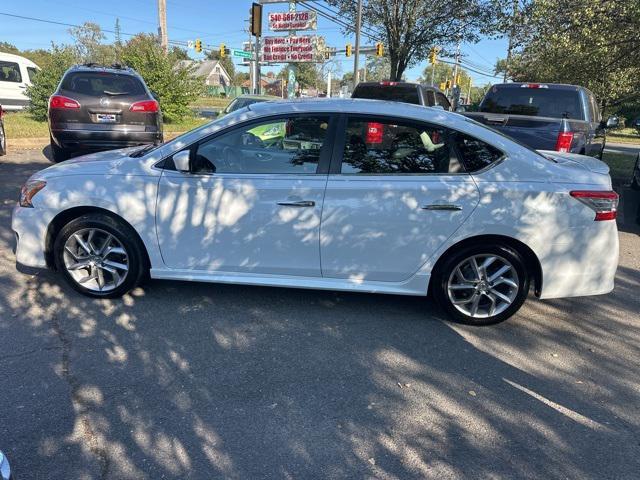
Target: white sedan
[353, 195]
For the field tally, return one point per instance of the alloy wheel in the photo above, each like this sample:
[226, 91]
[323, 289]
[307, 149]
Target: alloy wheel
[96, 259]
[483, 286]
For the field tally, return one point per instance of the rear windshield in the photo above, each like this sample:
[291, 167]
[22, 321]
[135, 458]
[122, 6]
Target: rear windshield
[102, 83]
[535, 102]
[394, 93]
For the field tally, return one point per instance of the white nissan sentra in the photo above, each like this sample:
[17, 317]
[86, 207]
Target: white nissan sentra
[356, 195]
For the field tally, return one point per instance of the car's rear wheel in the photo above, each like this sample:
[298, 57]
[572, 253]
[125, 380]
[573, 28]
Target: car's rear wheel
[3, 141]
[59, 154]
[99, 256]
[482, 285]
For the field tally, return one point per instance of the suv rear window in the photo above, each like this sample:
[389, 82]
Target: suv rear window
[10, 72]
[394, 93]
[102, 83]
[536, 102]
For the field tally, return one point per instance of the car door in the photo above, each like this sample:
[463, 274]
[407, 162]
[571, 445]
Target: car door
[251, 201]
[396, 192]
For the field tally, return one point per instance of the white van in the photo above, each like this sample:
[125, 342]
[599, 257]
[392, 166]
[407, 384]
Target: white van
[16, 73]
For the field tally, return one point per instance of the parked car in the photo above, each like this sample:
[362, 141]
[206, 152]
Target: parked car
[354, 195]
[16, 74]
[635, 180]
[3, 136]
[406, 92]
[548, 116]
[5, 468]
[97, 108]
[242, 101]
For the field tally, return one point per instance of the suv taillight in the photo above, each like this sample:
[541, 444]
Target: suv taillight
[604, 203]
[148, 106]
[564, 141]
[60, 101]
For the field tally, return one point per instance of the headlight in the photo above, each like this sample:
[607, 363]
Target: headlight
[28, 191]
[5, 469]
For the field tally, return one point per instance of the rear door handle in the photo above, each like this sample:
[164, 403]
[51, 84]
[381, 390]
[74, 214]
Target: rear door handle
[442, 206]
[300, 203]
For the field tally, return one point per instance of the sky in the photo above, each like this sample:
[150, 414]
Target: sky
[213, 21]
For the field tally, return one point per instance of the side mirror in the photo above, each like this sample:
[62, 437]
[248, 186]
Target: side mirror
[612, 122]
[182, 160]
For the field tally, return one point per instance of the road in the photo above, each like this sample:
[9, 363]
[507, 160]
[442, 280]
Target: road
[199, 381]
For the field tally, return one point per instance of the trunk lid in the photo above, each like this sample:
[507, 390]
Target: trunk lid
[574, 160]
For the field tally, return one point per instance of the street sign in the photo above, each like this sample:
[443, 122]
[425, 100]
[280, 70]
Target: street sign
[300, 20]
[293, 49]
[241, 53]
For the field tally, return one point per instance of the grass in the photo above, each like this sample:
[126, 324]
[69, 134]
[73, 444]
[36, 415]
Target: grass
[620, 165]
[215, 102]
[624, 135]
[21, 125]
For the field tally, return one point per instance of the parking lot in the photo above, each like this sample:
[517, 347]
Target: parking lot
[189, 380]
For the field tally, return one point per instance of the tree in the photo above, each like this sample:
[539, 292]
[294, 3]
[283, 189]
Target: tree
[88, 39]
[240, 77]
[47, 79]
[378, 68]
[226, 62]
[175, 85]
[443, 72]
[593, 44]
[409, 28]
[307, 74]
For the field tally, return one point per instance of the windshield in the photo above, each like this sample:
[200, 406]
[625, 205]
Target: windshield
[535, 102]
[102, 83]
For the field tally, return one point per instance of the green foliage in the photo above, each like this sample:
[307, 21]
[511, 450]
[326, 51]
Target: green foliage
[307, 74]
[378, 69]
[174, 85]
[88, 44]
[38, 56]
[594, 44]
[59, 59]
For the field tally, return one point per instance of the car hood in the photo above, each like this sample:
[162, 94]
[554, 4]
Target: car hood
[575, 160]
[111, 162]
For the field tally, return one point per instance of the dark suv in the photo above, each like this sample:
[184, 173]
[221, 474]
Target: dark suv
[98, 108]
[406, 92]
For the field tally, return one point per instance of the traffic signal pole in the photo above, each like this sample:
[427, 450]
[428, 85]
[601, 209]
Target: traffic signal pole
[356, 57]
[162, 25]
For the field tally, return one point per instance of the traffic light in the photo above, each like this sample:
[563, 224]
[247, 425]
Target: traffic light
[198, 45]
[443, 85]
[255, 19]
[433, 56]
[379, 49]
[223, 51]
[447, 84]
[347, 50]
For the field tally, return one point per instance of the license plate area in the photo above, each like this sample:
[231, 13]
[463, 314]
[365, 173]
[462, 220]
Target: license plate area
[106, 117]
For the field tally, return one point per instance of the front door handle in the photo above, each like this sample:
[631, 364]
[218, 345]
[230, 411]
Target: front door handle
[300, 203]
[442, 206]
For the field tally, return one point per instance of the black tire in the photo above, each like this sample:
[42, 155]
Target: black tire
[57, 153]
[3, 141]
[635, 181]
[124, 234]
[445, 269]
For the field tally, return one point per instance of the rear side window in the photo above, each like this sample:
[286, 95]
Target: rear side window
[10, 72]
[102, 83]
[32, 73]
[537, 102]
[442, 101]
[394, 93]
[389, 147]
[475, 154]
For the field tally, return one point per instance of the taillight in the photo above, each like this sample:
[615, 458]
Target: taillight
[148, 106]
[563, 144]
[374, 132]
[533, 85]
[604, 203]
[60, 101]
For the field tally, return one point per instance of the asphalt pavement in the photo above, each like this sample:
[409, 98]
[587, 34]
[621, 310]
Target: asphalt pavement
[198, 381]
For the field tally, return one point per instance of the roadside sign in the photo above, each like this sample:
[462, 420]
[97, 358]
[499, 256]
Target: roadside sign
[293, 49]
[241, 53]
[300, 20]
[190, 45]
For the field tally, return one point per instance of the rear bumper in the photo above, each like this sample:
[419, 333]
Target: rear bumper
[79, 139]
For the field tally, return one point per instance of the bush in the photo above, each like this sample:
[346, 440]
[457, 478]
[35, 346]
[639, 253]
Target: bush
[46, 80]
[173, 84]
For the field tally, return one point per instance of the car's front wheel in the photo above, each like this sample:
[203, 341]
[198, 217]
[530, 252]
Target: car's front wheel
[99, 256]
[481, 285]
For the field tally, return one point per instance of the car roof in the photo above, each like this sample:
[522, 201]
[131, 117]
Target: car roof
[389, 83]
[557, 86]
[93, 67]
[259, 97]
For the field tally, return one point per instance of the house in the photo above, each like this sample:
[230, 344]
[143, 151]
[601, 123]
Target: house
[213, 72]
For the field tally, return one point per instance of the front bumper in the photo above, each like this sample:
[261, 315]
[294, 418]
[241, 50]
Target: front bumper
[30, 227]
[79, 139]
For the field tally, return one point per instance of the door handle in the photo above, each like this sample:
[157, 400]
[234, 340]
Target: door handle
[442, 206]
[299, 203]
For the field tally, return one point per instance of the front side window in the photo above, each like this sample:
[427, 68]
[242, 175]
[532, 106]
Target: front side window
[397, 147]
[10, 72]
[284, 145]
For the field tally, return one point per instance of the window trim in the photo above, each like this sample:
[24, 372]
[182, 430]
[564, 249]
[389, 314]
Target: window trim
[340, 141]
[18, 69]
[323, 162]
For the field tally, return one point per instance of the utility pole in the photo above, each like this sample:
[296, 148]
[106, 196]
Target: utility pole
[162, 25]
[511, 35]
[455, 87]
[329, 84]
[356, 57]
